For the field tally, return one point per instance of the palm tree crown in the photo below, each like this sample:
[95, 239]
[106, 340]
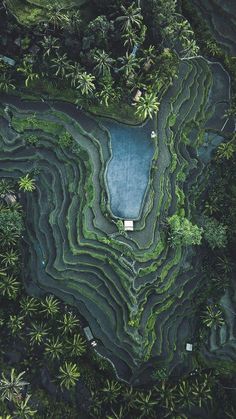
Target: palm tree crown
[147, 105]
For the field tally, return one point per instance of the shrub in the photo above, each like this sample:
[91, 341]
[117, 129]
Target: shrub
[65, 140]
[183, 232]
[215, 233]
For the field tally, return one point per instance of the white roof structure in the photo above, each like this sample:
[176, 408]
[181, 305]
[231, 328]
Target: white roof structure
[189, 347]
[128, 225]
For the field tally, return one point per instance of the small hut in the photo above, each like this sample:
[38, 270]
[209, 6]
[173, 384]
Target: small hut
[128, 225]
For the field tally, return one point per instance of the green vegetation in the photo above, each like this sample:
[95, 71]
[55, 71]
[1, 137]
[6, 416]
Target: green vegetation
[183, 232]
[66, 262]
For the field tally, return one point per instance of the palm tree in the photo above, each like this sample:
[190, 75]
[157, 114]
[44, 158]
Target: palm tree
[131, 17]
[38, 332]
[6, 83]
[10, 238]
[12, 386]
[111, 391]
[68, 323]
[71, 21]
[15, 324]
[184, 394]
[69, 374]
[119, 414]
[23, 410]
[54, 348]
[26, 183]
[201, 392]
[49, 45]
[149, 55]
[107, 93]
[212, 317]
[190, 48]
[96, 404]
[129, 397]
[29, 305]
[6, 187]
[213, 48]
[9, 286]
[77, 345]
[103, 62]
[27, 70]
[129, 64]
[147, 105]
[130, 38]
[146, 404]
[73, 73]
[50, 306]
[166, 395]
[226, 150]
[224, 264]
[55, 16]
[85, 83]
[60, 64]
[10, 258]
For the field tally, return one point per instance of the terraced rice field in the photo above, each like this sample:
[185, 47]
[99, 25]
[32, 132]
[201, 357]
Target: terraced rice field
[220, 17]
[134, 290]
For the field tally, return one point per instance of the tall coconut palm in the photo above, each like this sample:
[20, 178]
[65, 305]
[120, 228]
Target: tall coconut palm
[38, 332]
[131, 17]
[6, 83]
[29, 305]
[226, 150]
[107, 92]
[76, 345]
[54, 348]
[26, 183]
[60, 64]
[202, 392]
[6, 187]
[23, 410]
[86, 83]
[212, 317]
[68, 375]
[50, 306]
[103, 62]
[130, 38]
[12, 385]
[166, 395]
[111, 391]
[68, 323]
[148, 55]
[15, 324]
[224, 264]
[73, 73]
[55, 15]
[129, 397]
[147, 106]
[117, 414]
[49, 44]
[9, 238]
[72, 21]
[26, 69]
[146, 404]
[184, 394]
[95, 407]
[9, 286]
[10, 258]
[129, 64]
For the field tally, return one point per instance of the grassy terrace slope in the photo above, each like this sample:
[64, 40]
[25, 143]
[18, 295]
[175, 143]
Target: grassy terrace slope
[220, 16]
[134, 290]
[29, 12]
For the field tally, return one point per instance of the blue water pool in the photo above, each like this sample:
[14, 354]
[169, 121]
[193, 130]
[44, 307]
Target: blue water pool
[128, 170]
